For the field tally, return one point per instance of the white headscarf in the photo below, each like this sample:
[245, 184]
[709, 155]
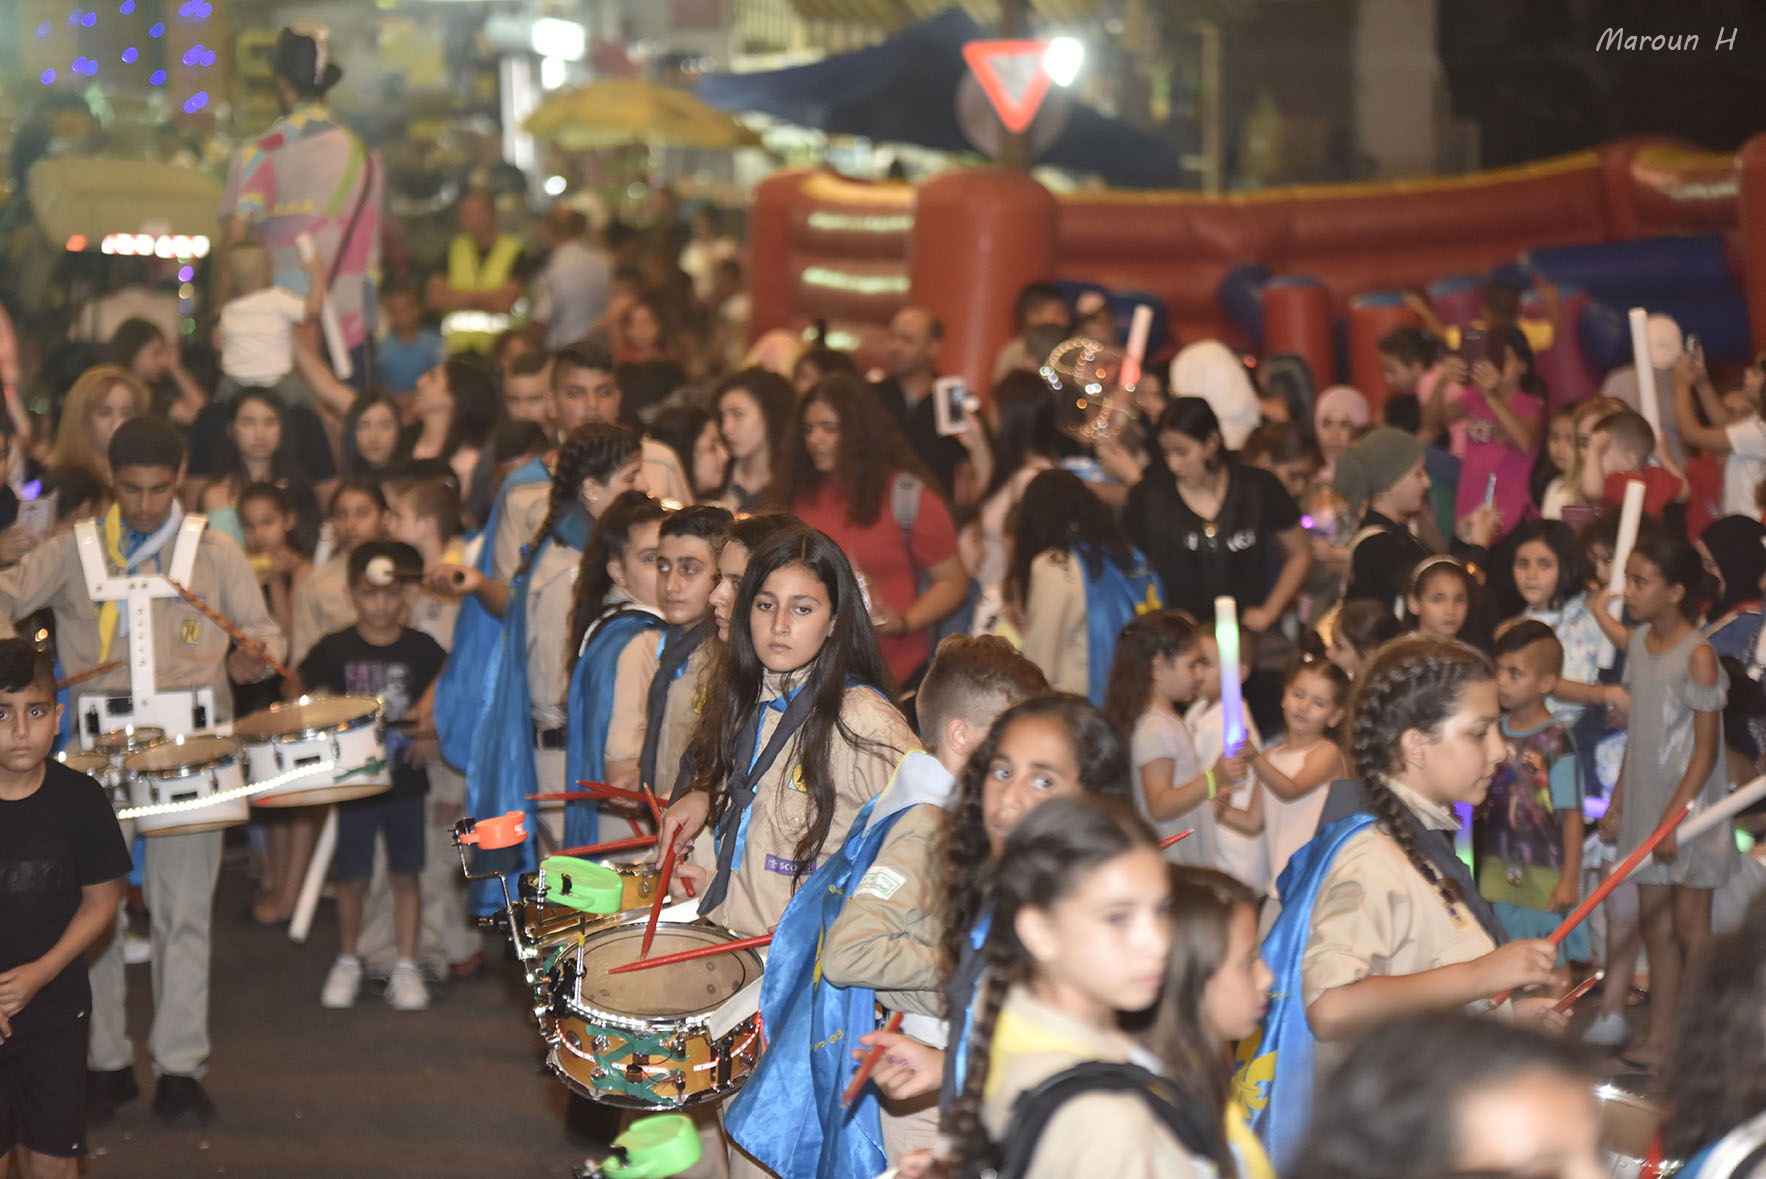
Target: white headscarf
[1210, 370]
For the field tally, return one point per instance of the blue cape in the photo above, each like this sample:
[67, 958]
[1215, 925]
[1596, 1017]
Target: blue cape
[1274, 1074]
[500, 773]
[1112, 600]
[789, 1115]
[588, 713]
[459, 692]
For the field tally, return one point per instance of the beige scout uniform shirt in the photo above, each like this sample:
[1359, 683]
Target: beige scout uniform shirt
[1055, 637]
[1377, 915]
[631, 692]
[524, 510]
[761, 883]
[189, 651]
[888, 932]
[551, 591]
[1112, 1134]
[320, 607]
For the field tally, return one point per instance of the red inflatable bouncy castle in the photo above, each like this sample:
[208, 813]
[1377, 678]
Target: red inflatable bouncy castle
[963, 243]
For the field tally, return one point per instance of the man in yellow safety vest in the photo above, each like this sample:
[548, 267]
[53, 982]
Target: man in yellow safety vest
[486, 272]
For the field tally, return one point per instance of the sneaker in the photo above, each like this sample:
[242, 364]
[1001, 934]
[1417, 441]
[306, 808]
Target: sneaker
[343, 984]
[137, 948]
[182, 1102]
[1609, 1030]
[405, 990]
[105, 1090]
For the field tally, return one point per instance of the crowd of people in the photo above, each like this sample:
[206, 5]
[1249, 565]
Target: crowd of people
[966, 680]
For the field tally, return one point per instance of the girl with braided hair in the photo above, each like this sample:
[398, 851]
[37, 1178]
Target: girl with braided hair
[1380, 918]
[1081, 934]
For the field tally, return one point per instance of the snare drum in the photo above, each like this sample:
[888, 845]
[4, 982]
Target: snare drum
[1629, 1124]
[664, 1038]
[115, 746]
[346, 731]
[181, 773]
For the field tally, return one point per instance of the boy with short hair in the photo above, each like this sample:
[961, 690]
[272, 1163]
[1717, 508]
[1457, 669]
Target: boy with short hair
[1619, 450]
[687, 550]
[1532, 815]
[62, 867]
[886, 936]
[380, 656]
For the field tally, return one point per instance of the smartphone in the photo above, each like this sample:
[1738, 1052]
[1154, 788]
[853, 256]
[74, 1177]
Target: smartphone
[950, 404]
[38, 515]
[1476, 344]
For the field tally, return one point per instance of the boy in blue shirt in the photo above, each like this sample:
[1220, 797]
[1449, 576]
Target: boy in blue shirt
[1532, 816]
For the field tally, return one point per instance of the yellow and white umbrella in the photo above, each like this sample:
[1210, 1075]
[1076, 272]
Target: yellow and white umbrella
[620, 111]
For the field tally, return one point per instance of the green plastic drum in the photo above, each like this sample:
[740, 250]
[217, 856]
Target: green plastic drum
[582, 885]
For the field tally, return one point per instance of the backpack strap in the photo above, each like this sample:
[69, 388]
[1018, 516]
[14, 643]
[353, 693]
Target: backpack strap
[1034, 1108]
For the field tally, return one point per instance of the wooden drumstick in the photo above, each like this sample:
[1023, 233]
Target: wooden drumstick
[745, 943]
[667, 870]
[1174, 840]
[80, 677]
[869, 1064]
[233, 632]
[612, 845]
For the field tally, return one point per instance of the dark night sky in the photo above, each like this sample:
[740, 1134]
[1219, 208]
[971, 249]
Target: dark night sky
[1528, 72]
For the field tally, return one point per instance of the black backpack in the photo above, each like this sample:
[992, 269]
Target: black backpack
[1033, 1109]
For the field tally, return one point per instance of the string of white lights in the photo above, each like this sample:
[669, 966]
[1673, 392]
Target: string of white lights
[196, 804]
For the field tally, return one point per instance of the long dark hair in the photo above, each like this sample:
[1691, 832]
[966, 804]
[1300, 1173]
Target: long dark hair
[1157, 634]
[477, 406]
[353, 463]
[1716, 1076]
[872, 449]
[1047, 856]
[1025, 411]
[1203, 902]
[283, 466]
[849, 658]
[612, 532]
[1196, 420]
[1414, 682]
[1681, 565]
[678, 427]
[1556, 536]
[129, 338]
[1098, 751]
[771, 392]
[1059, 512]
[1390, 1111]
[593, 451]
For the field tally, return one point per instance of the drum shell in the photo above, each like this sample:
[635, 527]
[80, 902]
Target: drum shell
[101, 769]
[1629, 1125]
[650, 1062]
[355, 747]
[155, 787]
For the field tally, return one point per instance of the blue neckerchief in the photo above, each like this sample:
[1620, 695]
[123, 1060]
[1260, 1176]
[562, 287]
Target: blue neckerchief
[1274, 1078]
[959, 1041]
[777, 704]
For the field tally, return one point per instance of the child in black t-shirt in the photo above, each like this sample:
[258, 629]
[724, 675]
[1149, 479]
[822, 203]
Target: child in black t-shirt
[380, 656]
[62, 864]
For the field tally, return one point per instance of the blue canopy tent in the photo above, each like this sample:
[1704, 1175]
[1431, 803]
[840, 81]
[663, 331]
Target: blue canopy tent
[904, 90]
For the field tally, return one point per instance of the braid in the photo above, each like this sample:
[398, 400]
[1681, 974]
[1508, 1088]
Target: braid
[965, 1137]
[594, 451]
[1413, 682]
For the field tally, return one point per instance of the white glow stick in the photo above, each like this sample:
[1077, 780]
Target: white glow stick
[1630, 518]
[340, 353]
[1736, 801]
[1232, 703]
[1139, 328]
[1648, 404]
[313, 882]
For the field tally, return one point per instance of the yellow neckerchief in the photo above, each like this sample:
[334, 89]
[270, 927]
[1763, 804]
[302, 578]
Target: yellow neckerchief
[107, 611]
[1247, 1150]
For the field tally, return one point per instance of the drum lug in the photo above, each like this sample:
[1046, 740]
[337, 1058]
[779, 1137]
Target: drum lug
[677, 1047]
[680, 1081]
[602, 1045]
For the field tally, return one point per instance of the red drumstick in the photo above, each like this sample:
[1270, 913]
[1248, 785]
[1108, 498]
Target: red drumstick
[1617, 877]
[1581, 989]
[609, 791]
[599, 794]
[233, 632]
[869, 1064]
[655, 807]
[745, 943]
[668, 870]
[80, 677]
[1174, 840]
[613, 845]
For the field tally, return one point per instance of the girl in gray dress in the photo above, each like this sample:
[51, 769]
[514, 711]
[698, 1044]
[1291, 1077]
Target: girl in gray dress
[1673, 757]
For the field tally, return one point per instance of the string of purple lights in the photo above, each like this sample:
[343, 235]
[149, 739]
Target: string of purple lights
[197, 57]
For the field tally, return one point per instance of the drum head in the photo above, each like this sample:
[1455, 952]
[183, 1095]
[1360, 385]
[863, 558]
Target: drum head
[684, 989]
[180, 753]
[120, 741]
[307, 715]
[86, 763]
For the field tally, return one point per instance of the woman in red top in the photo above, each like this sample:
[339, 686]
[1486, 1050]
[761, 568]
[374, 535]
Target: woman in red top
[846, 469]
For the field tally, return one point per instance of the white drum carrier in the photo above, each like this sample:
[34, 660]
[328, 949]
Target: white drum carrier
[177, 711]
